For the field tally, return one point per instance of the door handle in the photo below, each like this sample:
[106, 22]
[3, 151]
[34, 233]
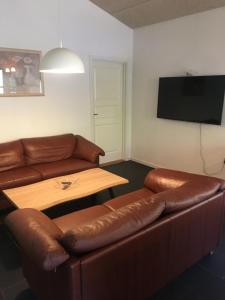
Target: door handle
[95, 114]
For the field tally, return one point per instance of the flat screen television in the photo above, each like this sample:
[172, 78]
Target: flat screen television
[192, 98]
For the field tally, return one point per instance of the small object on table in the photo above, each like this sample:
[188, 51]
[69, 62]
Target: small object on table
[66, 184]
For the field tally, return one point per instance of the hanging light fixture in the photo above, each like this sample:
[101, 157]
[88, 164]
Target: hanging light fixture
[61, 60]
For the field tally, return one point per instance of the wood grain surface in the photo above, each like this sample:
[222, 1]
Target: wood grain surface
[47, 193]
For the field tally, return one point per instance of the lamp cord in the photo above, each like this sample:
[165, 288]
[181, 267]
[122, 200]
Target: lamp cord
[203, 158]
[59, 25]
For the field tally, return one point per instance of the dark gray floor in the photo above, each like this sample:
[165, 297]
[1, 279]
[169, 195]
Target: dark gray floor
[204, 281]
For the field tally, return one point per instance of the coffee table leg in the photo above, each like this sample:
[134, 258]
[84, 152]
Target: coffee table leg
[111, 193]
[94, 199]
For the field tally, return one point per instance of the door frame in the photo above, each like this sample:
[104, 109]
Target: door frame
[124, 97]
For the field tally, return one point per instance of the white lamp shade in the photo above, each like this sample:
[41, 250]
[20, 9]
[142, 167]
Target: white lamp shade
[61, 60]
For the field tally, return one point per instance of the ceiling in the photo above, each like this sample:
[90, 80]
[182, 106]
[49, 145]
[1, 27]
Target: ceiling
[137, 13]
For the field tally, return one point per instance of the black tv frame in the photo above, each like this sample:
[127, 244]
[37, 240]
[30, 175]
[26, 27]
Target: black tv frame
[171, 116]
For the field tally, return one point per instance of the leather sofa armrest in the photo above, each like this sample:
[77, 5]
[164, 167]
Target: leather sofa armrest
[38, 237]
[87, 150]
[159, 180]
[187, 195]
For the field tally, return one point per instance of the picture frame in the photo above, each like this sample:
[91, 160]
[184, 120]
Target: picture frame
[19, 73]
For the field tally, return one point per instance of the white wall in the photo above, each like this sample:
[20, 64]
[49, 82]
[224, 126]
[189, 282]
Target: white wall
[194, 43]
[31, 24]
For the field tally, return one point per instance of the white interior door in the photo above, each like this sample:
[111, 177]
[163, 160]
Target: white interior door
[108, 94]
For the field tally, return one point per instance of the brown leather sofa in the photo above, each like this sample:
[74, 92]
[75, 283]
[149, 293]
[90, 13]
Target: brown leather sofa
[30, 160]
[127, 248]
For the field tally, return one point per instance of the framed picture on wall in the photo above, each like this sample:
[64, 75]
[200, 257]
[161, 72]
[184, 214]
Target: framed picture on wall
[19, 73]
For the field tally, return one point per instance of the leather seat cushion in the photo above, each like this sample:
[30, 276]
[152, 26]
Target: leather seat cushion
[81, 217]
[17, 177]
[113, 226]
[11, 155]
[48, 149]
[129, 198]
[62, 167]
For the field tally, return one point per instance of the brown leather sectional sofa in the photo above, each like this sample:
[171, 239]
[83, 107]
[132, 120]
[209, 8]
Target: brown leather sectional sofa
[127, 248]
[30, 160]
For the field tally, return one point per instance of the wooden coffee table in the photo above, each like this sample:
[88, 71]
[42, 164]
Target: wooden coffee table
[50, 192]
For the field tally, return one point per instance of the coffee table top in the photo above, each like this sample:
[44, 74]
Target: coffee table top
[47, 193]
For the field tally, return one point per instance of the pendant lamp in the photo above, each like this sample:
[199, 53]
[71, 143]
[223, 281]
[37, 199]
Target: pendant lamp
[61, 60]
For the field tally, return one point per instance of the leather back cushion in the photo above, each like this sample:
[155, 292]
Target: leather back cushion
[48, 149]
[113, 226]
[187, 195]
[37, 235]
[11, 155]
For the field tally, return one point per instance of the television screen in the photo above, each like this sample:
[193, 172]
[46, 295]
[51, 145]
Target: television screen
[192, 98]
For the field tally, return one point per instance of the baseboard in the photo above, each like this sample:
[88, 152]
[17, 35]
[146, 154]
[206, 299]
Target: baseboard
[140, 161]
[112, 163]
[146, 163]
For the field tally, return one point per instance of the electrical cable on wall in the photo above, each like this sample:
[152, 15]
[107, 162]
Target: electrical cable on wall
[203, 159]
